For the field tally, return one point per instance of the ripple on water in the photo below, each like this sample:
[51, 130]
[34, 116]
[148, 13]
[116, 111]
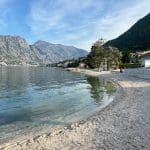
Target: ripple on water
[37, 97]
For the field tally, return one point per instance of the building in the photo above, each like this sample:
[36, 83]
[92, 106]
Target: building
[145, 59]
[147, 63]
[142, 57]
[3, 64]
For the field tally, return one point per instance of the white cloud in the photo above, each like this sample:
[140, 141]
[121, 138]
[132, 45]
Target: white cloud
[122, 19]
[115, 23]
[4, 10]
[48, 15]
[80, 23]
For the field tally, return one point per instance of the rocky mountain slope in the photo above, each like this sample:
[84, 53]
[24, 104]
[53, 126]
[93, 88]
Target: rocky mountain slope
[136, 38]
[56, 52]
[15, 50]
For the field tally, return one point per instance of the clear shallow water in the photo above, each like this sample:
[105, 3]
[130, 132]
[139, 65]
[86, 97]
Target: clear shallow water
[37, 96]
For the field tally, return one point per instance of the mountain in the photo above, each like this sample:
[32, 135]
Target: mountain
[15, 50]
[137, 38]
[56, 52]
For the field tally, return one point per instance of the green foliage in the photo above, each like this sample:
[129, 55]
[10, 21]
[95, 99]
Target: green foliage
[113, 58]
[136, 38]
[133, 65]
[96, 56]
[73, 65]
[136, 60]
[126, 57]
[101, 56]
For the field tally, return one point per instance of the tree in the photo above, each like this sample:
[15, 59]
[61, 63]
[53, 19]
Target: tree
[103, 57]
[99, 42]
[126, 57]
[113, 57]
[96, 56]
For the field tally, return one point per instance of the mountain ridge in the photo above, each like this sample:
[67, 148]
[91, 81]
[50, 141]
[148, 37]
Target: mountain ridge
[16, 50]
[137, 38]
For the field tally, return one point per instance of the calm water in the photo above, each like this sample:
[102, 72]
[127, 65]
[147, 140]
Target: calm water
[36, 96]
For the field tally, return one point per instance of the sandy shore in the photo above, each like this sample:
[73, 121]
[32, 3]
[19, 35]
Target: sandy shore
[123, 125]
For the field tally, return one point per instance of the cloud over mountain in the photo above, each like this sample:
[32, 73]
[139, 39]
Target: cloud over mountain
[77, 22]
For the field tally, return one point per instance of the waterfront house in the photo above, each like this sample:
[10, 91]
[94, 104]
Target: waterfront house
[144, 58]
[145, 61]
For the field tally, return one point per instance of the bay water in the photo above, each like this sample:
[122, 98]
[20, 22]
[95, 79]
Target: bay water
[32, 97]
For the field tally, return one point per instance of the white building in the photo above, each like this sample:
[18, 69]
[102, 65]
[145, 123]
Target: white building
[145, 61]
[3, 64]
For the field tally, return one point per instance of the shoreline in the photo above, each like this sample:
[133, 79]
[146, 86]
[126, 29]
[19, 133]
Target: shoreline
[114, 126]
[54, 130]
[88, 72]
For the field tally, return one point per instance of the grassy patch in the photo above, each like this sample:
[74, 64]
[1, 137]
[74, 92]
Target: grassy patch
[129, 65]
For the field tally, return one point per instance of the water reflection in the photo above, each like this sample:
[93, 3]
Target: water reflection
[96, 88]
[99, 87]
[33, 96]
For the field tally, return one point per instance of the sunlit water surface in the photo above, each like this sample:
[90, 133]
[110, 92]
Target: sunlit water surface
[32, 97]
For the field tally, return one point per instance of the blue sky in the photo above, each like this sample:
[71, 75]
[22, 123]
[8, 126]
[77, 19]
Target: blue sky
[70, 22]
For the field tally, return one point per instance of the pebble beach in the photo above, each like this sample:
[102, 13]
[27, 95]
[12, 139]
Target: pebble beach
[122, 125]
